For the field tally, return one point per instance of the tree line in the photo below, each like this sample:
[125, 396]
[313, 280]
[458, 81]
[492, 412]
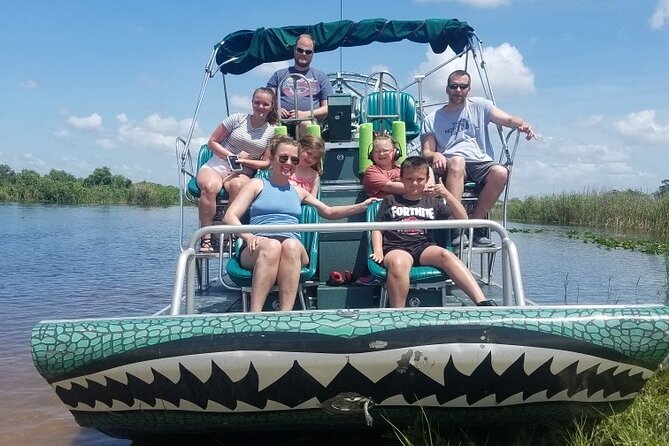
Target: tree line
[100, 187]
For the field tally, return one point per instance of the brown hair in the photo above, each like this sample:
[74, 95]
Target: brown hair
[283, 139]
[315, 144]
[459, 73]
[415, 163]
[272, 114]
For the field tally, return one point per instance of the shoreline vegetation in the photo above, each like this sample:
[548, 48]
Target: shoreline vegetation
[100, 187]
[619, 212]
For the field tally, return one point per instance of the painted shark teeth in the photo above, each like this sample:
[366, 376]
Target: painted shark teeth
[267, 368]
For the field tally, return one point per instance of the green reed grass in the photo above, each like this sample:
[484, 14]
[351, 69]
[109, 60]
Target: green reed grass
[611, 210]
[645, 422]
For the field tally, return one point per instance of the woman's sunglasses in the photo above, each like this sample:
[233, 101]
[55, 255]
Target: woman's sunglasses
[283, 159]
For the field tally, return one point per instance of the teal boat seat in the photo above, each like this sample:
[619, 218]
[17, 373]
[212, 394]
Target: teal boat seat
[417, 274]
[202, 157]
[243, 277]
[408, 112]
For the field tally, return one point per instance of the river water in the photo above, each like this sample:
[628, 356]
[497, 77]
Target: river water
[104, 261]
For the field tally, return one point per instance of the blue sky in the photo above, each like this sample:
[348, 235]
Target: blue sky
[86, 84]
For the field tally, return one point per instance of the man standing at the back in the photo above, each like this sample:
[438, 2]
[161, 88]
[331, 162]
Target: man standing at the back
[318, 81]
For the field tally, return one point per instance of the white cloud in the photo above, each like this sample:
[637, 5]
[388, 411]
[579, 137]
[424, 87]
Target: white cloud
[31, 161]
[240, 104]
[105, 143]
[29, 84]
[136, 171]
[555, 165]
[590, 121]
[641, 127]
[379, 67]
[661, 14]
[155, 132]
[86, 123]
[268, 69]
[508, 74]
[61, 134]
[474, 3]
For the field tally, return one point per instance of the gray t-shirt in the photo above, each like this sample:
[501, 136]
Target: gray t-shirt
[318, 81]
[243, 138]
[463, 132]
[246, 138]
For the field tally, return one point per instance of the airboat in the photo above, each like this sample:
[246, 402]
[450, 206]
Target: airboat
[341, 360]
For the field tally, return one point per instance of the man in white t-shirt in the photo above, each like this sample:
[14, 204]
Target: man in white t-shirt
[455, 140]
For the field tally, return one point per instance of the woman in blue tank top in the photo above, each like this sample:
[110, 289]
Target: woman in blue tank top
[276, 258]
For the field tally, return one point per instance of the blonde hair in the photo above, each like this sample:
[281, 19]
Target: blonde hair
[276, 141]
[383, 136]
[314, 144]
[380, 137]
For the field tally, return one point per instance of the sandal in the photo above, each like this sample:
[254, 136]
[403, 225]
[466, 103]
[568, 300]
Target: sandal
[206, 247]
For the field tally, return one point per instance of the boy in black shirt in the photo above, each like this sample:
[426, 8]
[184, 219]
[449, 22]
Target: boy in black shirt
[399, 250]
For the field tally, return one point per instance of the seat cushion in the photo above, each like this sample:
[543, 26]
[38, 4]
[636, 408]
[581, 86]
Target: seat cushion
[417, 274]
[194, 190]
[243, 277]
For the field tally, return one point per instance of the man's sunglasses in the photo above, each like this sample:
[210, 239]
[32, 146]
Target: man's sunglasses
[283, 159]
[303, 51]
[458, 86]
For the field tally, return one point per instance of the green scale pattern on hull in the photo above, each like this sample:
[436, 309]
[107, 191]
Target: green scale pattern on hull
[637, 333]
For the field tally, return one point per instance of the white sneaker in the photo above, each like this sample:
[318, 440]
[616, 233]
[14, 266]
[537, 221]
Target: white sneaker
[462, 238]
[483, 242]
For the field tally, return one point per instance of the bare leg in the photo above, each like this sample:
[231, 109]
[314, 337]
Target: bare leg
[233, 184]
[265, 264]
[494, 185]
[456, 270]
[210, 184]
[454, 177]
[293, 256]
[399, 264]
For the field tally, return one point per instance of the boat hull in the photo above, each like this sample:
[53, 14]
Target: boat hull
[135, 377]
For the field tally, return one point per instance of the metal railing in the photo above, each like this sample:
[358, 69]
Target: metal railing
[512, 286]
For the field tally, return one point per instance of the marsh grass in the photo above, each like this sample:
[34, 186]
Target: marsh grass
[619, 211]
[645, 422]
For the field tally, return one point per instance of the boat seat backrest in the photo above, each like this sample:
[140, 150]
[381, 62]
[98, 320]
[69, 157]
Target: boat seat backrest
[408, 112]
[242, 277]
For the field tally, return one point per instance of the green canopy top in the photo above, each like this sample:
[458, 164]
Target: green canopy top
[244, 50]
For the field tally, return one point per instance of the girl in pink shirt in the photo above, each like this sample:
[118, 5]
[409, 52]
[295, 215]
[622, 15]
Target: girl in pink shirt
[307, 172]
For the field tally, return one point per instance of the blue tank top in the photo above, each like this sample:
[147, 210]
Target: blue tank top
[276, 205]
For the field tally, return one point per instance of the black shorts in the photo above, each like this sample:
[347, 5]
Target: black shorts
[415, 251]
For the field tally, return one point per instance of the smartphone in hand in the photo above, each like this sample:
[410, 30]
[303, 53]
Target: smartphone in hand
[234, 163]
